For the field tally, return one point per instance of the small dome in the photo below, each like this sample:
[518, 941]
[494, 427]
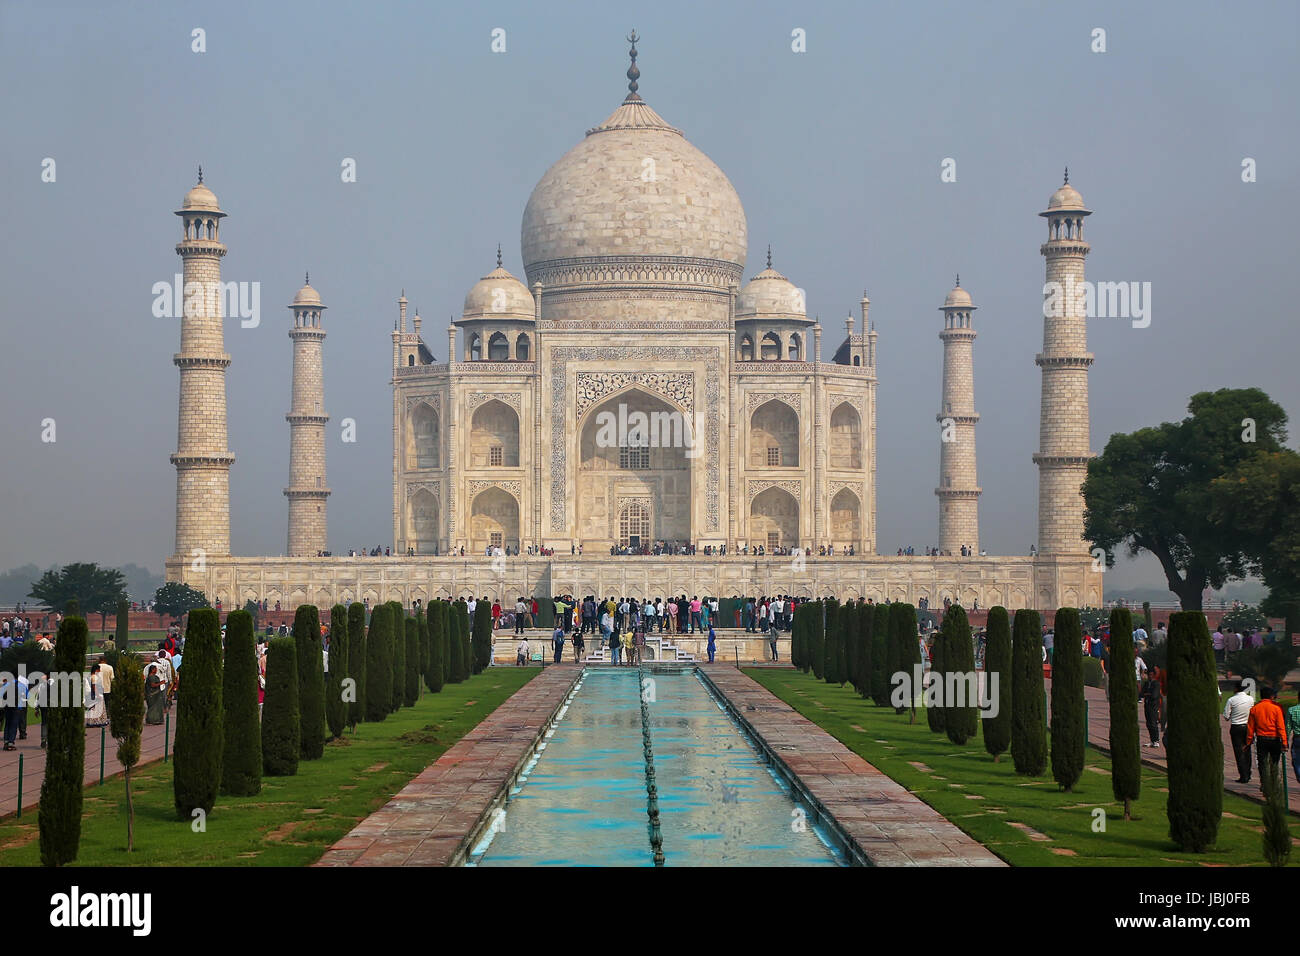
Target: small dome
[498, 295]
[770, 295]
[958, 298]
[200, 197]
[1067, 197]
[307, 296]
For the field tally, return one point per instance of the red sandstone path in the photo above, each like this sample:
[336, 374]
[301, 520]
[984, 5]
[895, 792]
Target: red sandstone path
[151, 749]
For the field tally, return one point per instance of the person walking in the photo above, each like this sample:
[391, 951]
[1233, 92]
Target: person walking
[615, 640]
[1266, 729]
[521, 612]
[521, 653]
[1237, 713]
[1293, 734]
[771, 640]
[713, 644]
[695, 614]
[106, 675]
[626, 642]
[1151, 707]
[557, 641]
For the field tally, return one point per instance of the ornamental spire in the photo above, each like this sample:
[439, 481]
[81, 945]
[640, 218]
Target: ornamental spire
[769, 255]
[200, 174]
[1067, 176]
[498, 255]
[632, 72]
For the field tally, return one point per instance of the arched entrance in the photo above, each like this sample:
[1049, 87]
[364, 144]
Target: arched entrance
[774, 519]
[494, 521]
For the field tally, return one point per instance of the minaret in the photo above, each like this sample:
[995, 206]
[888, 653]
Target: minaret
[307, 490]
[1063, 453]
[202, 460]
[958, 491]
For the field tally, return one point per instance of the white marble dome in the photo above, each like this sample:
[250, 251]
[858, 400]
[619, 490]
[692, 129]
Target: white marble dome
[200, 198]
[498, 295]
[634, 187]
[770, 295]
[1067, 197]
[958, 298]
[306, 296]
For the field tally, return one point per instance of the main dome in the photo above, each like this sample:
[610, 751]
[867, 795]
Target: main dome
[633, 187]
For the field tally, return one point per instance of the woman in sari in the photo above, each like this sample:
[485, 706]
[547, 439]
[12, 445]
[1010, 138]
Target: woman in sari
[93, 697]
[155, 693]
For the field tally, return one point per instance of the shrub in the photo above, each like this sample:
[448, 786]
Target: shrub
[128, 722]
[379, 668]
[880, 654]
[960, 722]
[1243, 619]
[1094, 675]
[411, 675]
[1194, 747]
[482, 636]
[59, 817]
[241, 753]
[997, 661]
[281, 723]
[1068, 720]
[336, 708]
[434, 670]
[200, 738]
[1028, 735]
[311, 681]
[1125, 744]
[357, 662]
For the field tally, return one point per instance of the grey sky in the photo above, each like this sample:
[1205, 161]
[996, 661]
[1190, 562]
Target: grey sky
[835, 153]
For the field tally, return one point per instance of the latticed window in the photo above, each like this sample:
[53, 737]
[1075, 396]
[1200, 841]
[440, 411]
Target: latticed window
[633, 522]
[495, 540]
[773, 540]
[634, 458]
[774, 455]
[496, 456]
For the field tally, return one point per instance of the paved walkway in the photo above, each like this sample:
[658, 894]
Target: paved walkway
[889, 825]
[151, 749]
[434, 820]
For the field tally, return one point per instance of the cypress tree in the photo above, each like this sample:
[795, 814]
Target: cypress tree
[241, 751]
[1068, 703]
[433, 671]
[422, 629]
[1028, 734]
[200, 735]
[404, 626]
[59, 817]
[482, 640]
[796, 628]
[453, 675]
[379, 670]
[466, 656]
[128, 722]
[281, 723]
[880, 645]
[411, 683]
[311, 681]
[849, 629]
[862, 658]
[960, 722]
[336, 708]
[831, 643]
[997, 664]
[357, 663]
[817, 638]
[1193, 743]
[122, 637]
[936, 716]
[1125, 744]
[907, 650]
[1277, 831]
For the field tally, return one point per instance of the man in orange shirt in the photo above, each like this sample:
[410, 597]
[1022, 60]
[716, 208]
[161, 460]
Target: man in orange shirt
[1266, 727]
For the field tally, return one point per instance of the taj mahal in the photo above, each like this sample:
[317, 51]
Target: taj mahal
[634, 307]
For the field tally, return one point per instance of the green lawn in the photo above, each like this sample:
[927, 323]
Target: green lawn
[986, 799]
[294, 819]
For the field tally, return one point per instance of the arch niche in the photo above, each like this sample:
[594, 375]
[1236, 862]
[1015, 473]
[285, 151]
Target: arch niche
[494, 520]
[422, 514]
[774, 425]
[423, 436]
[846, 437]
[495, 425]
[846, 519]
[774, 519]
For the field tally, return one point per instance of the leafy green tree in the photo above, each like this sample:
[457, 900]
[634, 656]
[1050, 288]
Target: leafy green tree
[997, 664]
[1270, 663]
[59, 818]
[1068, 703]
[1028, 733]
[880, 654]
[411, 676]
[357, 662]
[122, 627]
[1193, 744]
[311, 681]
[1154, 490]
[960, 722]
[241, 755]
[434, 670]
[482, 639]
[336, 708]
[281, 722]
[1243, 620]
[200, 737]
[176, 600]
[128, 722]
[906, 654]
[96, 590]
[1125, 743]
[379, 666]
[254, 611]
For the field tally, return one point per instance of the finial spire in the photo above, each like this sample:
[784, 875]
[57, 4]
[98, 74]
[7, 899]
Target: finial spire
[1067, 175]
[632, 72]
[769, 255]
[200, 173]
[959, 280]
[306, 278]
[498, 255]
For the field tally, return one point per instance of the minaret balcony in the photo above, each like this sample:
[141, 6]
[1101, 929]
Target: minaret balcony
[200, 247]
[299, 418]
[1063, 361]
[200, 461]
[181, 360]
[958, 493]
[971, 419]
[1064, 247]
[318, 493]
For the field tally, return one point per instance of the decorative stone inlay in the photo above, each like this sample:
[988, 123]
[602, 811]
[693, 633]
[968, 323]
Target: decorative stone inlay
[755, 399]
[421, 371]
[515, 368]
[677, 387]
[433, 487]
[505, 484]
[432, 399]
[647, 355]
[834, 401]
[834, 487]
[475, 399]
[792, 485]
[636, 270]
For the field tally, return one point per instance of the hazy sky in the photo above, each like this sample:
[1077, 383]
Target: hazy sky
[835, 153]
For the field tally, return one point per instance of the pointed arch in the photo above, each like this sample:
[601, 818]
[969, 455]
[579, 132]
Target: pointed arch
[774, 436]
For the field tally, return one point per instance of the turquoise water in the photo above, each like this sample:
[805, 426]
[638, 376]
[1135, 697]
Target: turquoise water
[583, 801]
